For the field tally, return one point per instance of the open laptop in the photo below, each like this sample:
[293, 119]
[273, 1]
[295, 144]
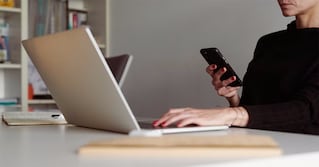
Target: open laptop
[119, 66]
[82, 84]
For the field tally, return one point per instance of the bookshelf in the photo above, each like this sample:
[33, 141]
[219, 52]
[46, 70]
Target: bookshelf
[14, 77]
[98, 19]
[10, 9]
[12, 72]
[45, 17]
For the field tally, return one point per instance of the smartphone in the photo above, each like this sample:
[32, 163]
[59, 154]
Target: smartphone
[214, 56]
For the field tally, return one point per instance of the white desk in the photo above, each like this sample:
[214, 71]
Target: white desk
[56, 146]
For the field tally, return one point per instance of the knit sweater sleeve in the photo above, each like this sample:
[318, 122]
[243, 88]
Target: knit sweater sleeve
[299, 113]
[292, 116]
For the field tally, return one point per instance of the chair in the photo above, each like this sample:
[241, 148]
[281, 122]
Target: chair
[119, 66]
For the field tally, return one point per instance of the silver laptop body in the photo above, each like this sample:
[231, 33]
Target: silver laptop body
[82, 84]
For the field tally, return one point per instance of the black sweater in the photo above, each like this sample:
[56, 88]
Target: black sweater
[281, 85]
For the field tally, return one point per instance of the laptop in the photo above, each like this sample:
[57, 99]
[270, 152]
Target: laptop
[119, 66]
[82, 84]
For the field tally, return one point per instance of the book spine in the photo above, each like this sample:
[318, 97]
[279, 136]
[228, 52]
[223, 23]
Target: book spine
[70, 21]
[75, 20]
[8, 101]
[7, 3]
[4, 41]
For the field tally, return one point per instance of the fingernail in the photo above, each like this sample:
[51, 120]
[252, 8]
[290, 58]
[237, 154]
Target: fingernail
[214, 66]
[233, 78]
[164, 124]
[154, 122]
[224, 69]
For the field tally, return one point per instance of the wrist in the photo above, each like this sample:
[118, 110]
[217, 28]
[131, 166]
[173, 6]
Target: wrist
[233, 100]
[240, 116]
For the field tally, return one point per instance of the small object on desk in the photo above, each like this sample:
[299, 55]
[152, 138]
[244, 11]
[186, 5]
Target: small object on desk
[228, 146]
[33, 118]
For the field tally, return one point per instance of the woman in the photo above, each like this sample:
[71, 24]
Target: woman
[280, 87]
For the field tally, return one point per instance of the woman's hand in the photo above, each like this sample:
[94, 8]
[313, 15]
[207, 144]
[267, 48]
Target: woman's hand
[230, 93]
[203, 117]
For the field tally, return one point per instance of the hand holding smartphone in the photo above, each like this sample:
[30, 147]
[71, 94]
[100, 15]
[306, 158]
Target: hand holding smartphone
[214, 56]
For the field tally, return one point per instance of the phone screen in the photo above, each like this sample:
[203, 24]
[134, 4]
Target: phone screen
[214, 56]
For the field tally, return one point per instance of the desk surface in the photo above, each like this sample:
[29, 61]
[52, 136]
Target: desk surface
[56, 145]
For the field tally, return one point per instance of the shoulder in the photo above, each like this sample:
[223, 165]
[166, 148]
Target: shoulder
[281, 34]
[275, 36]
[269, 41]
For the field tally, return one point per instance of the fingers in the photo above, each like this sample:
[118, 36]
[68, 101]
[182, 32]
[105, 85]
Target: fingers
[188, 121]
[220, 72]
[221, 86]
[176, 118]
[217, 82]
[210, 69]
[229, 80]
[228, 91]
[173, 116]
[201, 117]
[216, 75]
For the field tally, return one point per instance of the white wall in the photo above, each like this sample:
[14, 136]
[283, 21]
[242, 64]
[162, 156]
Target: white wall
[165, 37]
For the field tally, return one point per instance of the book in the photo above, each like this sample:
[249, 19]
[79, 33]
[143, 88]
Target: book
[7, 3]
[8, 101]
[4, 41]
[185, 146]
[77, 18]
